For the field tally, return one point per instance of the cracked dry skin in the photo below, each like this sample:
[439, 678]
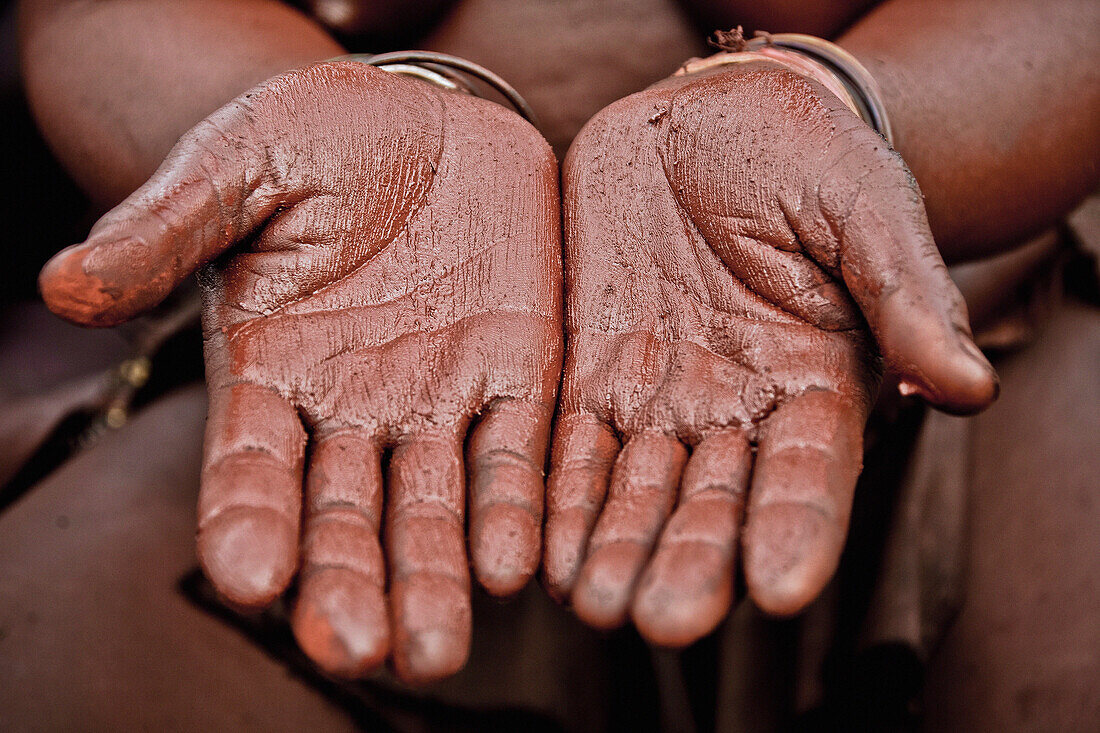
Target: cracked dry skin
[399, 293]
[740, 249]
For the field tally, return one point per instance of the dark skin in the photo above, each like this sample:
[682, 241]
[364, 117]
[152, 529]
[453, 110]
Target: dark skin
[678, 335]
[988, 185]
[966, 217]
[383, 306]
[747, 327]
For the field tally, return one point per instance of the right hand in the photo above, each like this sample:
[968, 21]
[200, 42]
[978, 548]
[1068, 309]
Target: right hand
[398, 295]
[742, 254]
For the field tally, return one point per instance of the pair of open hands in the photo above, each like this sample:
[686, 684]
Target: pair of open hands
[384, 348]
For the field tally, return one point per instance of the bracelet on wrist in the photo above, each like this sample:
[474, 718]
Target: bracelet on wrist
[445, 71]
[825, 62]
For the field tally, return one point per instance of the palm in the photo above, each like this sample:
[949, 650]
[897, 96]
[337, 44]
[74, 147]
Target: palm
[710, 263]
[399, 297]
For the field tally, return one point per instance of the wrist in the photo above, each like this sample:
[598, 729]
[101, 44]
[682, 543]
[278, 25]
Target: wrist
[448, 72]
[824, 62]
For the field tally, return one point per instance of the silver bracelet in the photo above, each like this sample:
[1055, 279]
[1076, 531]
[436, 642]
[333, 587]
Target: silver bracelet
[446, 71]
[828, 63]
[849, 71]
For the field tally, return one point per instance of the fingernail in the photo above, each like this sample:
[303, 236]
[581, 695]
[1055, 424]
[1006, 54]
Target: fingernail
[976, 354]
[341, 624]
[248, 554]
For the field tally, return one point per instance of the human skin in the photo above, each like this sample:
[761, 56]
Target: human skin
[398, 295]
[732, 279]
[693, 234]
[113, 85]
[156, 61]
[995, 104]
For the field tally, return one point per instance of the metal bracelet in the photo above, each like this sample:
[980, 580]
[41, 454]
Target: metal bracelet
[846, 67]
[840, 72]
[440, 69]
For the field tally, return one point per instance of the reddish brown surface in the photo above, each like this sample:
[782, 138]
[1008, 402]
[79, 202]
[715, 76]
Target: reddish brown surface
[1022, 653]
[113, 84]
[726, 237]
[996, 109]
[96, 635]
[401, 290]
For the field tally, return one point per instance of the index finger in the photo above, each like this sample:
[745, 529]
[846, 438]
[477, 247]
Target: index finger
[251, 497]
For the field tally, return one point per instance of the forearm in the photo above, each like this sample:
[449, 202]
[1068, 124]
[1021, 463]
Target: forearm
[996, 108]
[113, 84]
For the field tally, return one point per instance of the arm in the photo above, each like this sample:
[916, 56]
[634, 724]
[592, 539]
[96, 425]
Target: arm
[742, 255]
[996, 107]
[386, 321]
[114, 84]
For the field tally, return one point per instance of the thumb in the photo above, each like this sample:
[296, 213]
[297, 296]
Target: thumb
[894, 271]
[208, 193]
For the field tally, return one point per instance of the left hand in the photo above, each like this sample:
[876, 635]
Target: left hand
[382, 349]
[740, 249]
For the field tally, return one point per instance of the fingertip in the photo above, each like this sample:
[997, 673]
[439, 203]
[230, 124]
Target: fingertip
[962, 382]
[604, 587]
[928, 346]
[429, 656]
[432, 628]
[683, 595]
[341, 623]
[73, 294]
[505, 549]
[563, 551]
[666, 620]
[250, 554]
[973, 384]
[782, 599]
[104, 283]
[791, 552]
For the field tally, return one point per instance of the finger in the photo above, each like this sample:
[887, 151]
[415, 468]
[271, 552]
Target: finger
[643, 490]
[430, 579]
[894, 271]
[580, 468]
[208, 193]
[687, 587]
[340, 618]
[808, 458]
[507, 452]
[251, 495]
